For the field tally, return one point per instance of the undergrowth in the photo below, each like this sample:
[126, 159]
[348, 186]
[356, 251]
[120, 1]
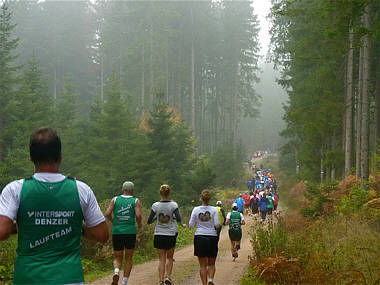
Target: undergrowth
[334, 239]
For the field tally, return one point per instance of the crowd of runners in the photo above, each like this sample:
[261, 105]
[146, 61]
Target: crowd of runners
[50, 212]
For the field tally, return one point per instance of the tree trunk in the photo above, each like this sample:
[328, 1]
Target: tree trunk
[55, 82]
[365, 103]
[192, 95]
[359, 116]
[167, 75]
[348, 103]
[102, 77]
[377, 117]
[142, 77]
[321, 167]
[151, 91]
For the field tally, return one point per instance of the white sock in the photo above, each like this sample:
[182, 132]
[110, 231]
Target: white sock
[124, 281]
[116, 271]
[210, 279]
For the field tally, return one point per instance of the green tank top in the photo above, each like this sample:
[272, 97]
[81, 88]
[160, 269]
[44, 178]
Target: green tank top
[124, 216]
[49, 221]
[235, 221]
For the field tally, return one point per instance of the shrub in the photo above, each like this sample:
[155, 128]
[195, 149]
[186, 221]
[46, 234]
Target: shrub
[353, 201]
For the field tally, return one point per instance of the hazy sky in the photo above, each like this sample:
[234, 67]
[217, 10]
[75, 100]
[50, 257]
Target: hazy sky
[262, 8]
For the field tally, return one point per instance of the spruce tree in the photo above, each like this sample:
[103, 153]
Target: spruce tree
[8, 80]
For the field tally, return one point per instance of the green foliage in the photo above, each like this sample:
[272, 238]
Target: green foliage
[268, 241]
[172, 149]
[316, 196]
[7, 258]
[353, 202]
[227, 164]
[203, 176]
[250, 278]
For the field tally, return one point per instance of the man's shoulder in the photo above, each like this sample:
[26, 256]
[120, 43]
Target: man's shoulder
[14, 185]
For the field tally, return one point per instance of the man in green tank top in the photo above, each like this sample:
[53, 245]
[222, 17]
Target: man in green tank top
[51, 212]
[124, 211]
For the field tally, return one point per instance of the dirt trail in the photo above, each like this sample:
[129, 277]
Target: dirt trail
[186, 269]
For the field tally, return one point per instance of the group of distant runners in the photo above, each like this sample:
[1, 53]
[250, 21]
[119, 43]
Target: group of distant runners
[50, 212]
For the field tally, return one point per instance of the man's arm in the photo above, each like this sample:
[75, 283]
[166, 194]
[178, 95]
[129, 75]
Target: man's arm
[97, 233]
[7, 227]
[138, 214]
[109, 212]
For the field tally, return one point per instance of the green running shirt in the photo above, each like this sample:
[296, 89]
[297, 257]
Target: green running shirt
[235, 221]
[124, 216]
[49, 223]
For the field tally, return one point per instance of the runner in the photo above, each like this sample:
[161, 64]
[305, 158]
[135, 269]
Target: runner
[124, 212]
[206, 237]
[275, 202]
[221, 213]
[254, 203]
[240, 202]
[246, 197]
[263, 202]
[270, 204]
[166, 213]
[52, 212]
[235, 220]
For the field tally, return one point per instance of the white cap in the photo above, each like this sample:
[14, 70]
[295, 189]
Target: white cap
[128, 185]
[234, 205]
[218, 203]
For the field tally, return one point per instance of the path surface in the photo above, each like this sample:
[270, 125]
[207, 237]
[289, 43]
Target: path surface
[186, 269]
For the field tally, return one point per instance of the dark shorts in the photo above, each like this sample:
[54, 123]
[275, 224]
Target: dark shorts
[235, 235]
[164, 242]
[121, 242]
[205, 246]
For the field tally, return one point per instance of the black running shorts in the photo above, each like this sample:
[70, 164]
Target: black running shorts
[235, 235]
[164, 242]
[121, 242]
[205, 246]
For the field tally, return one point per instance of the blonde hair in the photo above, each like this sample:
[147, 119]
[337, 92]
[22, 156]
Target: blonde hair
[205, 196]
[165, 190]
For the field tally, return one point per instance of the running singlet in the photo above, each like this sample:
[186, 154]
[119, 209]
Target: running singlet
[49, 229]
[235, 220]
[220, 214]
[124, 217]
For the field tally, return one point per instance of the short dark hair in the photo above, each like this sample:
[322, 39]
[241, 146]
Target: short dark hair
[44, 146]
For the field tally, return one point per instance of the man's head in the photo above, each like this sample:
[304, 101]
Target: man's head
[45, 146]
[128, 187]
[234, 206]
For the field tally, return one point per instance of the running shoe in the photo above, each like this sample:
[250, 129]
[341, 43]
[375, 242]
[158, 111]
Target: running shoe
[115, 279]
[210, 283]
[162, 283]
[168, 281]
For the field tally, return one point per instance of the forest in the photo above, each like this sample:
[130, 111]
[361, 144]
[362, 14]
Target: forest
[177, 92]
[329, 56]
[152, 92]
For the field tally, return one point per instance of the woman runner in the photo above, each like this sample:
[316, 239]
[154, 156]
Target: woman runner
[167, 215]
[206, 237]
[235, 219]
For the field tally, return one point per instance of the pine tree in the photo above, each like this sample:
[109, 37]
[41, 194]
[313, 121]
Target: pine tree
[8, 80]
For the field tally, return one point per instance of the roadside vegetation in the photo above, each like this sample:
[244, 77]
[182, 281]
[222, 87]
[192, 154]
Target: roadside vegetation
[329, 234]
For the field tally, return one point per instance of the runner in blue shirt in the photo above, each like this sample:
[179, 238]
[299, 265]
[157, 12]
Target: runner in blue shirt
[240, 202]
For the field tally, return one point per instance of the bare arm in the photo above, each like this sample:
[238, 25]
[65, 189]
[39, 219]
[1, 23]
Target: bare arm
[97, 233]
[109, 212]
[138, 214]
[242, 222]
[7, 227]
